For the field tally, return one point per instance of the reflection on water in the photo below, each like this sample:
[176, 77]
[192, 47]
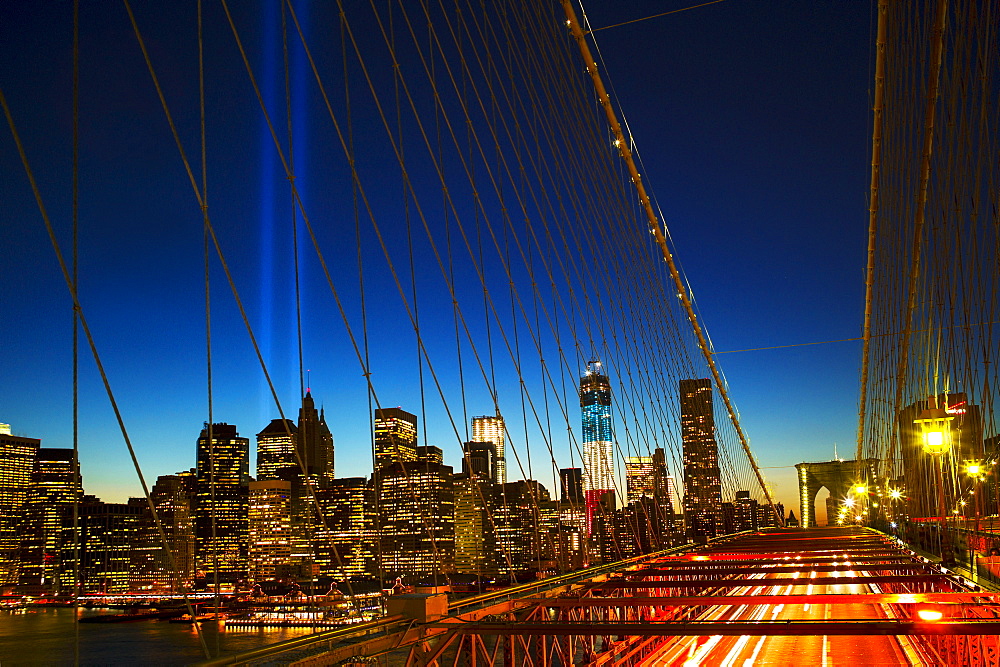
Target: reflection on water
[53, 637]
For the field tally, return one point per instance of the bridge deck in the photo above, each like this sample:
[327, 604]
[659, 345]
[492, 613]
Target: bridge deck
[707, 605]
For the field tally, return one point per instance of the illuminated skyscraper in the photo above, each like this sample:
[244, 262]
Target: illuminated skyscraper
[345, 541]
[17, 462]
[702, 483]
[276, 451]
[395, 436]
[598, 448]
[491, 429]
[221, 507]
[107, 534]
[640, 477]
[47, 533]
[270, 521]
[475, 538]
[416, 502]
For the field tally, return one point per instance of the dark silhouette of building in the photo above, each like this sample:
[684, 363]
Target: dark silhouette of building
[571, 485]
[314, 443]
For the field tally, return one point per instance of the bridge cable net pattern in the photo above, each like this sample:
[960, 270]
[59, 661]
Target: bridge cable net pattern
[931, 308]
[474, 205]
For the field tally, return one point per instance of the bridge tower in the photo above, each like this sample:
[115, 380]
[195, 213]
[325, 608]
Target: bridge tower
[837, 476]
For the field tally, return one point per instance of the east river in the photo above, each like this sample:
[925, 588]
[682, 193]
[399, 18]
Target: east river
[53, 637]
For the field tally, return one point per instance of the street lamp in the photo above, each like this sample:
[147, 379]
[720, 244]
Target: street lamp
[935, 434]
[935, 430]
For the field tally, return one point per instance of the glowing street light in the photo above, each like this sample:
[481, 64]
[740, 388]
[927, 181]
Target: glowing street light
[935, 430]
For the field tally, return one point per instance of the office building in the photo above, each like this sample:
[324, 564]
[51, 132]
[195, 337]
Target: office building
[108, 532]
[222, 532]
[702, 481]
[154, 569]
[315, 442]
[276, 451]
[479, 460]
[571, 485]
[416, 502]
[270, 526]
[346, 538]
[491, 429]
[17, 464]
[640, 478]
[475, 537]
[48, 534]
[395, 436]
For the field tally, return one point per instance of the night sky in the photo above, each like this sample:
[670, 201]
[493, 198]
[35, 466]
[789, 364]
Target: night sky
[752, 120]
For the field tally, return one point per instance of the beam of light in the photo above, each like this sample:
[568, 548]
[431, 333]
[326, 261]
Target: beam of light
[269, 70]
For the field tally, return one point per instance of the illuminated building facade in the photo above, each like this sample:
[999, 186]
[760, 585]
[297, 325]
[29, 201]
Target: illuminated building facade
[17, 463]
[640, 478]
[491, 429]
[345, 541]
[416, 501]
[153, 569]
[276, 451]
[270, 525]
[108, 532]
[47, 532]
[395, 436]
[221, 506]
[475, 539]
[702, 481]
[517, 526]
[745, 512]
[597, 444]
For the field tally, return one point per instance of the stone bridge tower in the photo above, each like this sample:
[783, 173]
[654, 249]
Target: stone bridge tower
[837, 476]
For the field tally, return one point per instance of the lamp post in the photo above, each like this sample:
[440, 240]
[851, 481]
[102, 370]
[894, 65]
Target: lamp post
[935, 433]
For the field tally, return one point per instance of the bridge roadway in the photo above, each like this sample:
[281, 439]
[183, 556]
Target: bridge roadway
[837, 596]
[801, 649]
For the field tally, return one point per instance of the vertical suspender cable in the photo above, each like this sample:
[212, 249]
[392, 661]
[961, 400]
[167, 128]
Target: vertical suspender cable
[76, 326]
[933, 80]
[883, 10]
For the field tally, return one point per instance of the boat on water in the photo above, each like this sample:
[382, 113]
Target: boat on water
[133, 616]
